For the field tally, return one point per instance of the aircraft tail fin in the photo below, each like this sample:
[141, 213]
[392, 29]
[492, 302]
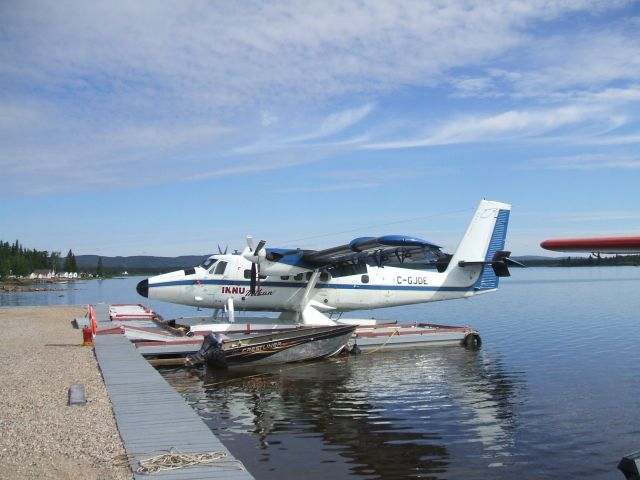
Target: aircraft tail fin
[480, 258]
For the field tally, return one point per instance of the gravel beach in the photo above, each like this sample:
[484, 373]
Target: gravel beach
[40, 435]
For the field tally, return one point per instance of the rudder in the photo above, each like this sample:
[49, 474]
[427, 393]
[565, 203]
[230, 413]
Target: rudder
[488, 278]
[481, 248]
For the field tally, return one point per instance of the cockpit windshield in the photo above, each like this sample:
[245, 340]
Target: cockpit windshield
[208, 262]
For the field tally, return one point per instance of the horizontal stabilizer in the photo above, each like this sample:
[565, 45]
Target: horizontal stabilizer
[500, 263]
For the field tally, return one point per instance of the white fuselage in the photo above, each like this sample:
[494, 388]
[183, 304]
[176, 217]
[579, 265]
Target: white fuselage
[379, 287]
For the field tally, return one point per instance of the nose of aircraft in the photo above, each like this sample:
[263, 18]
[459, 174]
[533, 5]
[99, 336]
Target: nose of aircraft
[143, 288]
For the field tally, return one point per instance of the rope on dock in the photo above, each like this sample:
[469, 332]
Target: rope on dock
[395, 332]
[176, 459]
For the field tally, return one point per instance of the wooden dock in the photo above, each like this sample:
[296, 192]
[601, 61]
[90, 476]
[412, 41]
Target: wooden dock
[153, 418]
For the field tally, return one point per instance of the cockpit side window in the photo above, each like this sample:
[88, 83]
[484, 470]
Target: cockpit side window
[220, 268]
[208, 262]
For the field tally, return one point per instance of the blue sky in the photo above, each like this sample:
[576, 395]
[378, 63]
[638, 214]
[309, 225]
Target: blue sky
[166, 128]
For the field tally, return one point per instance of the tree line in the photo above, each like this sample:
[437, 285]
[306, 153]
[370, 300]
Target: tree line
[590, 261]
[17, 260]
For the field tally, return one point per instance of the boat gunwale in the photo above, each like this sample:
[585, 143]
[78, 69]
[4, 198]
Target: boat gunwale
[330, 330]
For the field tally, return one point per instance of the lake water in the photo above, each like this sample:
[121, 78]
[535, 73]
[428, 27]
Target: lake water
[82, 292]
[554, 392]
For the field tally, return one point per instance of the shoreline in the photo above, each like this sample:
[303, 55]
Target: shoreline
[41, 436]
[35, 285]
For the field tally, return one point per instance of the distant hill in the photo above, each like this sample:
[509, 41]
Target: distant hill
[150, 264]
[139, 263]
[534, 258]
[579, 260]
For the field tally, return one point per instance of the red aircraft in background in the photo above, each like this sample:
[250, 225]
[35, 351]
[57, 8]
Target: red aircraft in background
[607, 245]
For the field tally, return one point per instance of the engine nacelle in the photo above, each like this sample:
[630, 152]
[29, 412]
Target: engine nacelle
[279, 269]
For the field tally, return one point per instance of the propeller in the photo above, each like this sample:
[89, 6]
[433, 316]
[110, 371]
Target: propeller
[260, 246]
[252, 253]
[250, 243]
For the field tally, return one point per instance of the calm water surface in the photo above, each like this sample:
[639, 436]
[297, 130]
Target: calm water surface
[82, 292]
[553, 393]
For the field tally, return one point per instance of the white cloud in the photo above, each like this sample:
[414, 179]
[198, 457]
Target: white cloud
[224, 169]
[507, 125]
[615, 140]
[580, 62]
[573, 64]
[268, 119]
[168, 89]
[329, 126]
[597, 217]
[593, 162]
[238, 53]
[335, 123]
[330, 188]
[475, 87]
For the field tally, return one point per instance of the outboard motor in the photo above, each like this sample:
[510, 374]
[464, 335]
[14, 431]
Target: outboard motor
[210, 352]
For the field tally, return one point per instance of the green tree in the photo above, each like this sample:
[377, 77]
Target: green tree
[20, 266]
[54, 261]
[100, 268]
[70, 264]
[5, 267]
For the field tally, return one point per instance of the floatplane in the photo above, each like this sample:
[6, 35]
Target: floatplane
[314, 287]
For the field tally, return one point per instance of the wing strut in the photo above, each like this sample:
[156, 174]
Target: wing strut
[311, 284]
[306, 313]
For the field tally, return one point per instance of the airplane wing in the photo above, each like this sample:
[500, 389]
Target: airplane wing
[398, 247]
[608, 245]
[352, 258]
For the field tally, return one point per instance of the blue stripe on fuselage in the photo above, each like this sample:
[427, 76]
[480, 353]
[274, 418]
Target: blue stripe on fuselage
[303, 285]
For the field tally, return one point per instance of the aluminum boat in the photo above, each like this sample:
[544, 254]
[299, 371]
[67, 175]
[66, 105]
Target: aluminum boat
[296, 345]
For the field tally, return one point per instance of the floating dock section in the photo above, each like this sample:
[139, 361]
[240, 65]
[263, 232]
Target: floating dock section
[153, 418]
[157, 340]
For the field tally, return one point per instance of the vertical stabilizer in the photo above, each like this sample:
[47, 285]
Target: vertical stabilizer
[471, 263]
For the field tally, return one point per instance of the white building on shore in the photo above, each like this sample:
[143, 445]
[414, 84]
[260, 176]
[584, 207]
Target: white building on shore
[42, 274]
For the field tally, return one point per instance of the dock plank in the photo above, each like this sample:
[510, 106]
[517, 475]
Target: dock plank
[153, 418]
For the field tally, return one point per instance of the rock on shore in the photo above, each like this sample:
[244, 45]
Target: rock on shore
[40, 435]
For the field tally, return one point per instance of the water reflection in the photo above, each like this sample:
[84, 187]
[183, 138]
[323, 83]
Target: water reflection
[392, 415]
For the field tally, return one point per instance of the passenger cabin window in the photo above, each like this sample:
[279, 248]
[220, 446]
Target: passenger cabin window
[298, 277]
[284, 277]
[365, 278]
[247, 275]
[220, 268]
[324, 277]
